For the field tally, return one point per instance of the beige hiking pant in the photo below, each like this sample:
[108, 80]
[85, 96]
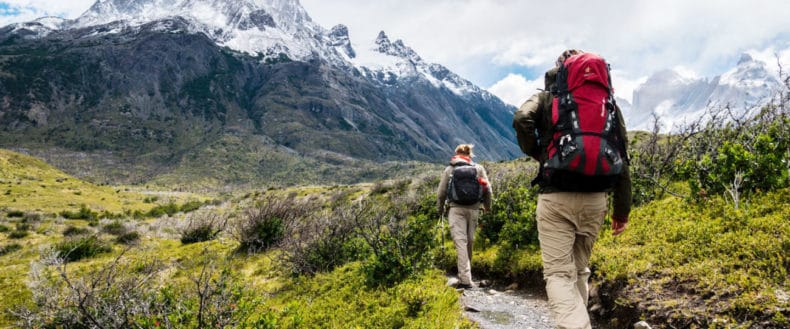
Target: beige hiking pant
[463, 221]
[568, 224]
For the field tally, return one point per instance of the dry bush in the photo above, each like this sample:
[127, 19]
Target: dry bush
[203, 226]
[128, 293]
[325, 240]
[264, 225]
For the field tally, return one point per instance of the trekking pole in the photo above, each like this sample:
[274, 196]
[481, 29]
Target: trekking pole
[441, 219]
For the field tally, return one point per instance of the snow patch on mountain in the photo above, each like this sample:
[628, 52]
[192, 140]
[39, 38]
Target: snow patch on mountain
[274, 27]
[269, 29]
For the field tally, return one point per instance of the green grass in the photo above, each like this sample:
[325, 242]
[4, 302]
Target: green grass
[423, 302]
[29, 184]
[704, 261]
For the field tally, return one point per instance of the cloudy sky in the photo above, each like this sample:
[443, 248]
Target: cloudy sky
[506, 45]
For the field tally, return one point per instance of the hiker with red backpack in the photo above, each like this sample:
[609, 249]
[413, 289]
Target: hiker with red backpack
[463, 189]
[576, 131]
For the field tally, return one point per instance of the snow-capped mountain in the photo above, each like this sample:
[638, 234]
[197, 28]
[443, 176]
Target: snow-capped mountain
[164, 85]
[265, 28]
[677, 99]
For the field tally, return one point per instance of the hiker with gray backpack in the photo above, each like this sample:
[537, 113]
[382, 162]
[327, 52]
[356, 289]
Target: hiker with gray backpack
[576, 131]
[463, 189]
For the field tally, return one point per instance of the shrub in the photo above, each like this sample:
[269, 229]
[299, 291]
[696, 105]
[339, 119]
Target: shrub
[31, 218]
[84, 213]
[322, 242]
[4, 228]
[190, 206]
[73, 231]
[203, 227]
[512, 217]
[264, 225]
[23, 226]
[115, 228]
[7, 249]
[18, 234]
[124, 294]
[15, 213]
[399, 234]
[128, 238]
[81, 248]
[170, 209]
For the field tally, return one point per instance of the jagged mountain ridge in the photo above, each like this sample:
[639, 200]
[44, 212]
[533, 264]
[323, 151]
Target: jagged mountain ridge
[161, 89]
[264, 28]
[678, 99]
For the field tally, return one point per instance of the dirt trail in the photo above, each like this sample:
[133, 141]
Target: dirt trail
[497, 309]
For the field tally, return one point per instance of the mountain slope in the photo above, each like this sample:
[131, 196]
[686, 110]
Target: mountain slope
[148, 92]
[29, 184]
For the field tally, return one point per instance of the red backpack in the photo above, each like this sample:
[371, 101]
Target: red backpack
[586, 152]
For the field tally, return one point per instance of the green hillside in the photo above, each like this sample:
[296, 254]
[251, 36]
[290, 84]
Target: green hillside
[29, 184]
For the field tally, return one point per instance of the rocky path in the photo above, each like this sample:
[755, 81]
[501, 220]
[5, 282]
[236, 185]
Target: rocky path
[504, 309]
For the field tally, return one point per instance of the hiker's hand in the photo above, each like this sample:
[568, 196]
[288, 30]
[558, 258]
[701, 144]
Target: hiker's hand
[618, 227]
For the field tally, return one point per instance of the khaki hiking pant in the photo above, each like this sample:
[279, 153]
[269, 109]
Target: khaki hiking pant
[568, 224]
[463, 222]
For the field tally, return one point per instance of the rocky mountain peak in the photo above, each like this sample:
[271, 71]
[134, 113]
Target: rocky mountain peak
[338, 37]
[745, 58]
[397, 48]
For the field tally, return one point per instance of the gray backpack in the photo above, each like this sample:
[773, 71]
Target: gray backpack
[464, 187]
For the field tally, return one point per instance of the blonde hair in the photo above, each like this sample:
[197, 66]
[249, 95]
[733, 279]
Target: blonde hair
[465, 149]
[567, 54]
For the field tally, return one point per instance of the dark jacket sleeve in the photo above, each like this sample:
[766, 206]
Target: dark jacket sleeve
[525, 122]
[621, 196]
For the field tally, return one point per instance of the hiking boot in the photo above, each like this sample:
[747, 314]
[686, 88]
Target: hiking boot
[466, 285]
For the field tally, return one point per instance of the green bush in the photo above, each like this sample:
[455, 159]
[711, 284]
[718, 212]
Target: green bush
[204, 227]
[217, 299]
[7, 249]
[84, 213]
[264, 225]
[15, 213]
[400, 235]
[73, 231]
[18, 234]
[128, 238]
[169, 209]
[4, 228]
[32, 218]
[114, 228]
[190, 206]
[80, 248]
[23, 226]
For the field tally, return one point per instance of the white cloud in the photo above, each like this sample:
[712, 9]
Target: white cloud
[28, 10]
[775, 58]
[514, 89]
[639, 37]
[624, 85]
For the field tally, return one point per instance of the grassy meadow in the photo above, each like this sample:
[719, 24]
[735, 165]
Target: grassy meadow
[706, 246]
